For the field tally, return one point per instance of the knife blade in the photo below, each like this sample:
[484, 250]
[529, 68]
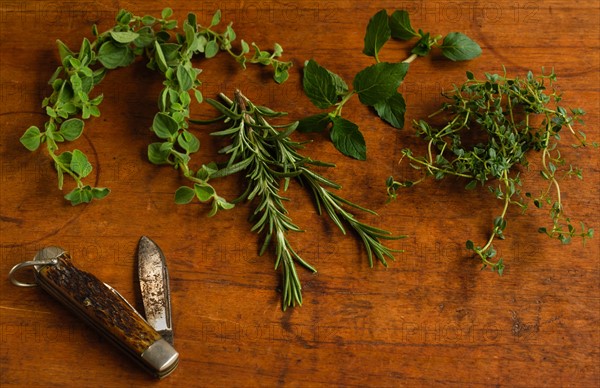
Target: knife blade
[153, 276]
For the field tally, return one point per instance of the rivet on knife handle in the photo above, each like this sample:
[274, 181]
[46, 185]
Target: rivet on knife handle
[101, 307]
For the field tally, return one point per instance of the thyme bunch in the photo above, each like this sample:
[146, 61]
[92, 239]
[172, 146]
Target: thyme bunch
[518, 116]
[266, 155]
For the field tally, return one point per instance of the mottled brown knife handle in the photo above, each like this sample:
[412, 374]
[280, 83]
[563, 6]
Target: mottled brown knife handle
[108, 312]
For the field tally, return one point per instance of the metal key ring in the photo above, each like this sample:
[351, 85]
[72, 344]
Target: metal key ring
[30, 263]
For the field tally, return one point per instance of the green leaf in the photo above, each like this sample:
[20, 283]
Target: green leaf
[378, 32]
[392, 110]
[379, 82]
[281, 72]
[347, 138]
[341, 87]
[157, 154]
[80, 164]
[71, 129]
[315, 123]
[185, 79]
[159, 57]
[164, 126]
[184, 195]
[400, 26]
[423, 46]
[216, 19]
[32, 138]
[166, 13]
[470, 245]
[320, 85]
[198, 95]
[188, 142]
[124, 37]
[459, 47]
[63, 50]
[211, 49]
[79, 195]
[204, 192]
[112, 55]
[100, 192]
[471, 185]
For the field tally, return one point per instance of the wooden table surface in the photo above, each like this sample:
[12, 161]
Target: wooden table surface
[432, 318]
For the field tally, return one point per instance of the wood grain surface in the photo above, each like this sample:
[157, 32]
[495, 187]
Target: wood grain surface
[432, 318]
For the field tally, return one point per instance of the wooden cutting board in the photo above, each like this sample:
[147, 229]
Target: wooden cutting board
[432, 318]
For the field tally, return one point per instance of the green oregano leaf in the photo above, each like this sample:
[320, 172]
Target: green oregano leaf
[378, 33]
[184, 195]
[32, 138]
[211, 49]
[204, 192]
[400, 26]
[379, 82]
[71, 129]
[124, 37]
[164, 126]
[100, 192]
[459, 47]
[113, 55]
[320, 85]
[188, 142]
[184, 78]
[157, 154]
[346, 137]
[80, 164]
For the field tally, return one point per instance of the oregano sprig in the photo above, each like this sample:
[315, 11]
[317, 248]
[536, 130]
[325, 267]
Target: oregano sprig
[518, 116]
[167, 51]
[269, 160]
[377, 85]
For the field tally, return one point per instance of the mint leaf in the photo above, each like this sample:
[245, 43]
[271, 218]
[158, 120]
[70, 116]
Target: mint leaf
[379, 82]
[459, 47]
[315, 123]
[400, 26]
[378, 32]
[347, 138]
[32, 138]
[184, 195]
[71, 129]
[80, 164]
[392, 110]
[164, 126]
[423, 46]
[341, 87]
[319, 85]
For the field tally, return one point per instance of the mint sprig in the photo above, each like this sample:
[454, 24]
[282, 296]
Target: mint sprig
[377, 85]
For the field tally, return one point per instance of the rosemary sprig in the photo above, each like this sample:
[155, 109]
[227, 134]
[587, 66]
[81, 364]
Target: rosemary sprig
[506, 111]
[267, 155]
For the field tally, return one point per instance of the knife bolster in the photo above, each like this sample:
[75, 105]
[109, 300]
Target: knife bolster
[161, 357]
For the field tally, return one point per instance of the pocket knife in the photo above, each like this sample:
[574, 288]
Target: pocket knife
[148, 341]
